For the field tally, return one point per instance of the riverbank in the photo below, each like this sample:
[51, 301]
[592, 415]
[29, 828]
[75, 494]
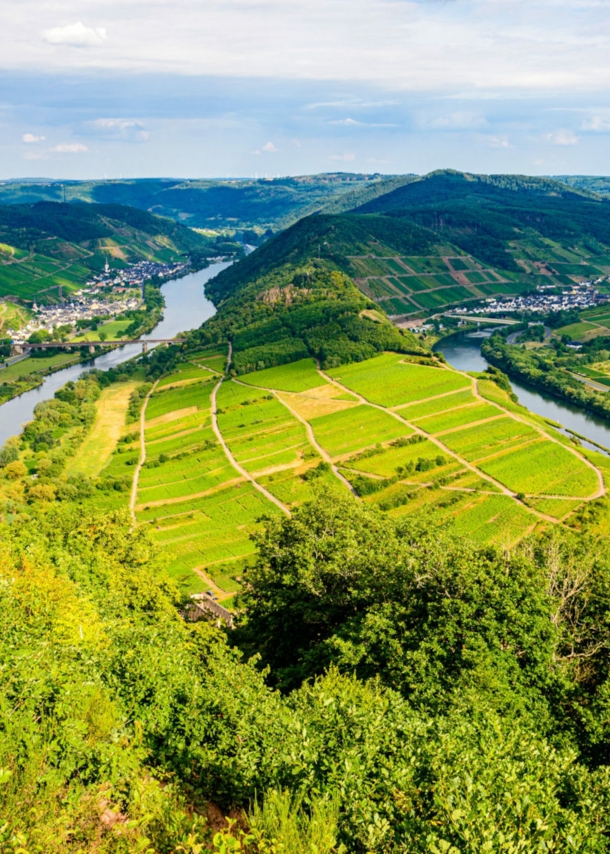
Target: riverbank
[464, 353]
[186, 307]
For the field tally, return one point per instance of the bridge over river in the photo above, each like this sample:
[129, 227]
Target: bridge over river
[25, 347]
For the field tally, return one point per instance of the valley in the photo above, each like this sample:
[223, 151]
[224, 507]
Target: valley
[299, 555]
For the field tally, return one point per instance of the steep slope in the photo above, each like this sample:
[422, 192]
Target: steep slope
[48, 245]
[507, 220]
[403, 266]
[294, 298]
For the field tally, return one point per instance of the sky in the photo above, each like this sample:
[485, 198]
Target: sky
[238, 88]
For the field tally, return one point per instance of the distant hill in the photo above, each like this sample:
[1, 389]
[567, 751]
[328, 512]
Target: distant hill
[217, 204]
[447, 238]
[592, 183]
[47, 245]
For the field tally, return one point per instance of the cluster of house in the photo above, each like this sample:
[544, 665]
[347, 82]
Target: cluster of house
[50, 317]
[580, 296]
[87, 303]
[134, 276]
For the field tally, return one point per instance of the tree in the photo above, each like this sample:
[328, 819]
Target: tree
[15, 470]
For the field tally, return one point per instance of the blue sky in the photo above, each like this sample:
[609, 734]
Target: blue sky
[204, 88]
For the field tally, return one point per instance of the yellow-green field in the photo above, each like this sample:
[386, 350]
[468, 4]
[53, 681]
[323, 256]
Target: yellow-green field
[101, 441]
[409, 438]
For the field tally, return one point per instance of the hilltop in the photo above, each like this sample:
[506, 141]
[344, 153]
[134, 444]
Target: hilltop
[446, 239]
[47, 245]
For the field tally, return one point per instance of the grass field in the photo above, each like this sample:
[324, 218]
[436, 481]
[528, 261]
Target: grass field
[580, 331]
[201, 511]
[470, 414]
[107, 428]
[35, 366]
[355, 428]
[215, 359]
[415, 411]
[477, 443]
[186, 373]
[389, 381]
[296, 376]
[260, 432]
[168, 400]
[543, 468]
[112, 331]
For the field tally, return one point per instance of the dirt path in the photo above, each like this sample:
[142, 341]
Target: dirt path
[206, 368]
[601, 490]
[167, 502]
[219, 592]
[503, 489]
[228, 453]
[142, 460]
[312, 439]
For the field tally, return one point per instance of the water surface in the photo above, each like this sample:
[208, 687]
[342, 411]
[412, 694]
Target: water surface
[464, 352]
[186, 307]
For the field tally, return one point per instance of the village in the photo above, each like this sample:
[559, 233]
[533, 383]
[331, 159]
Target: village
[108, 294]
[544, 301]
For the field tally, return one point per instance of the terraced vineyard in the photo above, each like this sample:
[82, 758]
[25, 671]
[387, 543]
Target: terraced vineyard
[407, 437]
[408, 284]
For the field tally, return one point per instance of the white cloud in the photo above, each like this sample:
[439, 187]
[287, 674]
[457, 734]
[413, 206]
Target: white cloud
[601, 124]
[355, 123]
[493, 141]
[267, 148]
[346, 157]
[70, 148]
[76, 35]
[478, 45]
[458, 120]
[128, 129]
[562, 137]
[30, 137]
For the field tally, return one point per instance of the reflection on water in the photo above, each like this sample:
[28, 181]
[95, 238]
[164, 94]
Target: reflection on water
[464, 353]
[186, 307]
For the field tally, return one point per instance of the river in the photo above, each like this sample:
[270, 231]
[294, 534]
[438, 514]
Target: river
[186, 307]
[463, 351]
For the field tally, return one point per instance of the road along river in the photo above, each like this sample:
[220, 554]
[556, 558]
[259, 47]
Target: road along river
[463, 351]
[186, 307]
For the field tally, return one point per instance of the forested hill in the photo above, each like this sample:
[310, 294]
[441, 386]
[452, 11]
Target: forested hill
[217, 204]
[505, 220]
[330, 239]
[447, 239]
[448, 185]
[48, 244]
[24, 226]
[292, 298]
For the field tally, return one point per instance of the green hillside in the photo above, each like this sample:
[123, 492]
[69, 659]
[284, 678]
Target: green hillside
[48, 245]
[530, 230]
[599, 184]
[217, 204]
[417, 567]
[419, 658]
